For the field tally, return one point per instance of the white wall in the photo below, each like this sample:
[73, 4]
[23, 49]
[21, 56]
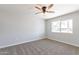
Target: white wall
[18, 28]
[72, 39]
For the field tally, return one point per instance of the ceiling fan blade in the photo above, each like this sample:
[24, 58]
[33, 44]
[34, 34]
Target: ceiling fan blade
[38, 12]
[50, 6]
[50, 11]
[38, 8]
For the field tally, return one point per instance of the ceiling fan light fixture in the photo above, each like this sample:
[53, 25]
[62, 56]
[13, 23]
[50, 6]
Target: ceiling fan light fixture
[44, 9]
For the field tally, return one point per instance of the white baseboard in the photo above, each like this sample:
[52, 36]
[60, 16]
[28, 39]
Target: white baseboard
[73, 44]
[38, 38]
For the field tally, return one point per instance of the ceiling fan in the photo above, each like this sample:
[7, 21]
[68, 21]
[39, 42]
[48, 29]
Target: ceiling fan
[44, 9]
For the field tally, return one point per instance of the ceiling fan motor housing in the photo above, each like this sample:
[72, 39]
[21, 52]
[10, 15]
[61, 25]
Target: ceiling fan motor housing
[44, 9]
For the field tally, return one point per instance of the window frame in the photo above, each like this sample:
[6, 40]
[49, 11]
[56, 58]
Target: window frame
[60, 31]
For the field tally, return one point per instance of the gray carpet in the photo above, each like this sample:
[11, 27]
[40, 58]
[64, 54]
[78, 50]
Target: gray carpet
[41, 47]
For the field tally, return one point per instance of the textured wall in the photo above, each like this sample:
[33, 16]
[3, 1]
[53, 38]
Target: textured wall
[18, 27]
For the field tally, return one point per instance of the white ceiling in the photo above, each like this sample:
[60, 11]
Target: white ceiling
[61, 9]
[28, 9]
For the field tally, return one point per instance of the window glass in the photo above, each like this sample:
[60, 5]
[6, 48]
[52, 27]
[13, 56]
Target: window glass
[56, 26]
[64, 26]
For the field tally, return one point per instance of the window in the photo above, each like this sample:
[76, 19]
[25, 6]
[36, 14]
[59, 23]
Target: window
[63, 26]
